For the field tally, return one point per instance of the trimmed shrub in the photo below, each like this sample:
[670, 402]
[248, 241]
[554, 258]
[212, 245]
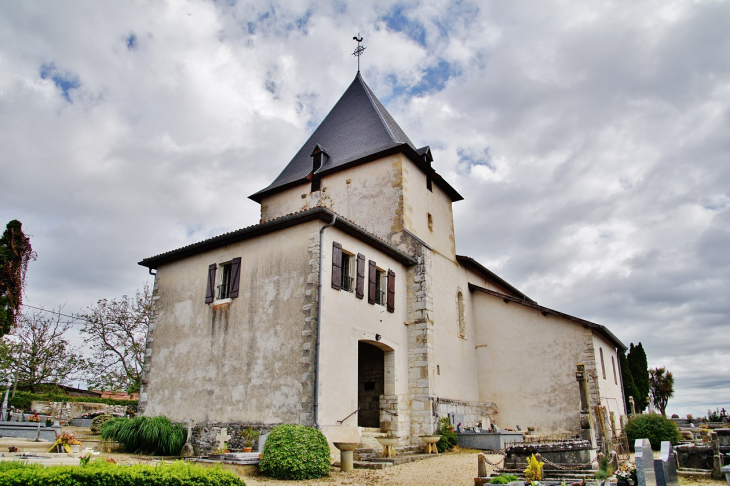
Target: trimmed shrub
[654, 427]
[101, 473]
[295, 452]
[98, 421]
[147, 435]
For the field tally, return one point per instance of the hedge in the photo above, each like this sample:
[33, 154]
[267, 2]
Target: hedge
[101, 473]
[22, 399]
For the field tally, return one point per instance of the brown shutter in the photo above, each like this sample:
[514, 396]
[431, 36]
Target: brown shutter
[235, 277]
[336, 265]
[210, 290]
[372, 275]
[360, 284]
[391, 291]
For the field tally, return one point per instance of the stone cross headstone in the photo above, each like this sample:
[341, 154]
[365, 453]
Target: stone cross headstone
[665, 467]
[222, 438]
[644, 458]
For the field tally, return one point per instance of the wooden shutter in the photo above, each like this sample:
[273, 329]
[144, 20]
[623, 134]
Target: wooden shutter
[360, 284]
[210, 290]
[235, 277]
[391, 291]
[336, 265]
[372, 275]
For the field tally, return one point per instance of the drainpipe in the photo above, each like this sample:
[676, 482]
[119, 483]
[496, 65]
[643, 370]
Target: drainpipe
[319, 320]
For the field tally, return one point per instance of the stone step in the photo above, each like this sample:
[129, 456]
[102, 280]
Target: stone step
[370, 453]
[370, 465]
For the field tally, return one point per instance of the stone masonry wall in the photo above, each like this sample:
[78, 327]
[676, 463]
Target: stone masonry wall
[589, 359]
[420, 347]
[142, 404]
[309, 333]
[204, 436]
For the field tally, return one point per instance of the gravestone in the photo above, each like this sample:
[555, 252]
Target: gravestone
[644, 458]
[666, 466]
[222, 438]
[187, 449]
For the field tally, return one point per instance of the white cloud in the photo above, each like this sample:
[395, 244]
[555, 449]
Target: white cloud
[590, 143]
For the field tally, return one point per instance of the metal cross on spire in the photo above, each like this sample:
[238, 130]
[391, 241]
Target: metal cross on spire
[358, 52]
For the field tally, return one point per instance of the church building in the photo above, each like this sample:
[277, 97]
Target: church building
[348, 307]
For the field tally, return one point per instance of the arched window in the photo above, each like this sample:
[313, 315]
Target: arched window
[462, 316]
[603, 366]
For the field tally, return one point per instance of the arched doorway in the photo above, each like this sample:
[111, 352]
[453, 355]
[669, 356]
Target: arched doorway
[370, 383]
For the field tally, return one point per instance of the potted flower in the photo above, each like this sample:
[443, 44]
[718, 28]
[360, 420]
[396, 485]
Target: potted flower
[66, 442]
[249, 437]
[625, 474]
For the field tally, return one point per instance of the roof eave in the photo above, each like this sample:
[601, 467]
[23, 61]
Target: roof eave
[276, 225]
[492, 276]
[404, 148]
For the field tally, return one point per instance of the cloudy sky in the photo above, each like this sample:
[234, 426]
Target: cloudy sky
[590, 139]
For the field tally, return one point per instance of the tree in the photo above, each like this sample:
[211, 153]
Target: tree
[661, 382]
[630, 389]
[640, 373]
[116, 331]
[15, 254]
[40, 353]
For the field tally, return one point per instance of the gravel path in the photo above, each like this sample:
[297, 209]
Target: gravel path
[456, 468]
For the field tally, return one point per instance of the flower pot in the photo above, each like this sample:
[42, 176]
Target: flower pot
[622, 482]
[247, 449]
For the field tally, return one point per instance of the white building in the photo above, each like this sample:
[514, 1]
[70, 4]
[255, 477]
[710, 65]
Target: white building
[406, 330]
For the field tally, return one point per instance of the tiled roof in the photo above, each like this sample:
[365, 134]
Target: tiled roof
[357, 128]
[277, 224]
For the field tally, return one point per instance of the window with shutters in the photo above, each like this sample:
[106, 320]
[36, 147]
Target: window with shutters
[223, 280]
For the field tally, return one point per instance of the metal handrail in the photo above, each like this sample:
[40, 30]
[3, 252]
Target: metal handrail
[353, 413]
[388, 411]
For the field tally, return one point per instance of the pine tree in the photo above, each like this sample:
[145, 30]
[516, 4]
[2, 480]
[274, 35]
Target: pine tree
[640, 373]
[630, 389]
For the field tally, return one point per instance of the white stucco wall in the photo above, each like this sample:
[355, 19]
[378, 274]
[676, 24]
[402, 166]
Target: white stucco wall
[456, 372]
[369, 194]
[609, 388]
[419, 202]
[347, 320]
[527, 364]
[239, 365]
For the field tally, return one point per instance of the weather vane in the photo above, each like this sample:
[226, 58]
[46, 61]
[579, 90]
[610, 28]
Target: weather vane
[358, 52]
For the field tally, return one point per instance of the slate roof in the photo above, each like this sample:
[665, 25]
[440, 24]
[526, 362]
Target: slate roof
[357, 130]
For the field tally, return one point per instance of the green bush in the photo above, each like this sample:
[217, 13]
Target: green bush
[147, 435]
[503, 479]
[98, 422]
[654, 427]
[448, 437]
[22, 399]
[295, 452]
[101, 473]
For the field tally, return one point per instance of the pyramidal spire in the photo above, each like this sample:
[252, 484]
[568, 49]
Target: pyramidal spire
[358, 127]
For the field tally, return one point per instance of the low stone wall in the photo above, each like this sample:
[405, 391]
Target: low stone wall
[65, 411]
[204, 436]
[471, 411]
